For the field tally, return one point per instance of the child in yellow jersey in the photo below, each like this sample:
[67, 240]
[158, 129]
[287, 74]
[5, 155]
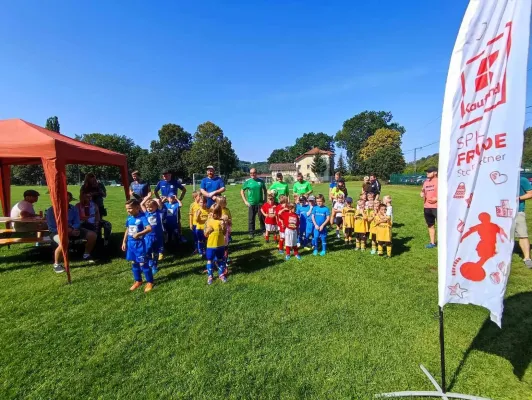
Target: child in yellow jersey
[228, 220]
[191, 215]
[383, 225]
[371, 225]
[215, 230]
[348, 217]
[200, 218]
[360, 225]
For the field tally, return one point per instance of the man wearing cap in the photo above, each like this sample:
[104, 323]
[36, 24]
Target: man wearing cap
[211, 186]
[24, 209]
[168, 185]
[75, 232]
[429, 193]
[301, 186]
[280, 188]
[254, 194]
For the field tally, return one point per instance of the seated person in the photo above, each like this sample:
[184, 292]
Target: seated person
[75, 231]
[89, 215]
[24, 209]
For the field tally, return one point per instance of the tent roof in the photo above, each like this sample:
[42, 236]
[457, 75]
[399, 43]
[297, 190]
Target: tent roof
[22, 141]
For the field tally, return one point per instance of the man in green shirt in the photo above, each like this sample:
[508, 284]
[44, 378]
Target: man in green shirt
[521, 231]
[302, 187]
[280, 188]
[254, 198]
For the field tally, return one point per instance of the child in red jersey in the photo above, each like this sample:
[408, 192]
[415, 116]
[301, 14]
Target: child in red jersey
[291, 225]
[270, 220]
[279, 210]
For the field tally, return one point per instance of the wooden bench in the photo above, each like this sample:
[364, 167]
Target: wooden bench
[18, 240]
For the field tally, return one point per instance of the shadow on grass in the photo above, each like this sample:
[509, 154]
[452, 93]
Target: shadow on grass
[399, 245]
[512, 342]
[255, 261]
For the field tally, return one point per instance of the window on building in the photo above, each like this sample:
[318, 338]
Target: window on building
[308, 166]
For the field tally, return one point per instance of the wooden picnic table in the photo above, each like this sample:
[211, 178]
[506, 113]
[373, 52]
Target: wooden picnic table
[35, 220]
[17, 240]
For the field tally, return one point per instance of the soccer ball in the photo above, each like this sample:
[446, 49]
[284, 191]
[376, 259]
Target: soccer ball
[272, 191]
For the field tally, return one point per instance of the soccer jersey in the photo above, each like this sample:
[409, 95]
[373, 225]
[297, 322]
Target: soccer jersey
[348, 213]
[172, 212]
[254, 189]
[383, 228]
[167, 187]
[155, 220]
[290, 220]
[321, 214]
[279, 211]
[139, 189]
[280, 189]
[192, 210]
[135, 225]
[360, 221]
[201, 218]
[210, 185]
[337, 209]
[302, 187]
[216, 237]
[269, 210]
[430, 190]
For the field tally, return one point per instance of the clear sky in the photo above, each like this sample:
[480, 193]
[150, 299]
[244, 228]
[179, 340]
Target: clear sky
[265, 71]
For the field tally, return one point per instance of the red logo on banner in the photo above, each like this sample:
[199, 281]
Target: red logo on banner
[469, 200]
[460, 191]
[460, 226]
[504, 210]
[482, 91]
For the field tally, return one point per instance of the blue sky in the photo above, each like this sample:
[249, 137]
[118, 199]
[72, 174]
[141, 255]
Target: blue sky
[265, 71]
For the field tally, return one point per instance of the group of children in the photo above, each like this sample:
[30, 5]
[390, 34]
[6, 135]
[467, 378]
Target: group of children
[305, 221]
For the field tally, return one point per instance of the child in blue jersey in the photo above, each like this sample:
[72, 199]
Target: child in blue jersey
[320, 219]
[302, 211]
[310, 225]
[154, 239]
[137, 227]
[171, 225]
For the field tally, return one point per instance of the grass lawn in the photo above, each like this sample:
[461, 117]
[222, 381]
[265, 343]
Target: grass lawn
[345, 326]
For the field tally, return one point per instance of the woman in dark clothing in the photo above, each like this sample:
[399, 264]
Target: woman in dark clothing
[96, 190]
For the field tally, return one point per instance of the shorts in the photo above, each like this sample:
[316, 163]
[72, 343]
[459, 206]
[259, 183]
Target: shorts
[215, 253]
[82, 235]
[349, 231]
[271, 228]
[136, 251]
[521, 230]
[360, 236]
[153, 244]
[431, 215]
[338, 221]
[290, 238]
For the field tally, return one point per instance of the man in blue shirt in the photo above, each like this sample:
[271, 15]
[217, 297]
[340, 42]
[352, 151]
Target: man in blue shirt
[211, 186]
[139, 189]
[521, 231]
[168, 185]
[75, 232]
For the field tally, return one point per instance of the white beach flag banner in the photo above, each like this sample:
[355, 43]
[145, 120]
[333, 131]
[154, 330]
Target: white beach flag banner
[480, 153]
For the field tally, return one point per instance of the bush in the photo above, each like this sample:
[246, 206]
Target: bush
[353, 178]
[289, 179]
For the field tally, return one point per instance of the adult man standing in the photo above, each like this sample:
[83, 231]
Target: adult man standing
[429, 193]
[339, 188]
[253, 199]
[168, 185]
[211, 186]
[521, 231]
[375, 186]
[280, 188]
[139, 189]
[24, 209]
[301, 186]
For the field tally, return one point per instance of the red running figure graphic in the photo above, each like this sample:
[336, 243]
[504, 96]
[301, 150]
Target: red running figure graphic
[486, 247]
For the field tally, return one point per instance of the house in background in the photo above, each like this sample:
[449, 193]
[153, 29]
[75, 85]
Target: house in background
[303, 164]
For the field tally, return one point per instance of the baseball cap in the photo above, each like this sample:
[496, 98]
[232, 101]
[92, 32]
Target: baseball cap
[171, 194]
[349, 200]
[210, 167]
[311, 197]
[302, 198]
[31, 192]
[432, 169]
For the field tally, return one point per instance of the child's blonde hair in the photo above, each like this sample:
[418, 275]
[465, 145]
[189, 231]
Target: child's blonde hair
[283, 199]
[195, 194]
[271, 196]
[152, 202]
[222, 201]
[320, 197]
[291, 206]
[387, 199]
[217, 211]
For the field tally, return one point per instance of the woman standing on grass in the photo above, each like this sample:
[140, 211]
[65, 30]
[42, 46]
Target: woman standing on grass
[96, 190]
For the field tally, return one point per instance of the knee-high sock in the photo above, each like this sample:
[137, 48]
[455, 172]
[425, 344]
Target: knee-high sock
[209, 268]
[389, 249]
[221, 268]
[146, 269]
[137, 275]
[281, 244]
[357, 243]
[323, 243]
[296, 251]
[380, 248]
[363, 243]
[288, 250]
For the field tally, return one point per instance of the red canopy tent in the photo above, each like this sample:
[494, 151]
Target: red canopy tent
[24, 143]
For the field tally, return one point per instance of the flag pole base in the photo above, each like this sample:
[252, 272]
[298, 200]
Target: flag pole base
[438, 393]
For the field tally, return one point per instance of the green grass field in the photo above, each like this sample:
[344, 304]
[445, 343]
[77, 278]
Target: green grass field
[345, 326]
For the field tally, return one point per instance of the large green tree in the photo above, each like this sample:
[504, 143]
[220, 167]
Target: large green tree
[356, 130]
[169, 152]
[211, 147]
[342, 167]
[319, 166]
[281, 156]
[52, 124]
[386, 161]
[310, 140]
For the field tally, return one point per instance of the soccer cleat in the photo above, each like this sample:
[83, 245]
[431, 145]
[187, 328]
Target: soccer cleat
[209, 280]
[322, 253]
[287, 258]
[528, 263]
[58, 268]
[154, 270]
[281, 252]
[136, 285]
[223, 278]
[373, 251]
[148, 287]
[337, 235]
[315, 253]
[298, 257]
[430, 246]
[357, 249]
[161, 256]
